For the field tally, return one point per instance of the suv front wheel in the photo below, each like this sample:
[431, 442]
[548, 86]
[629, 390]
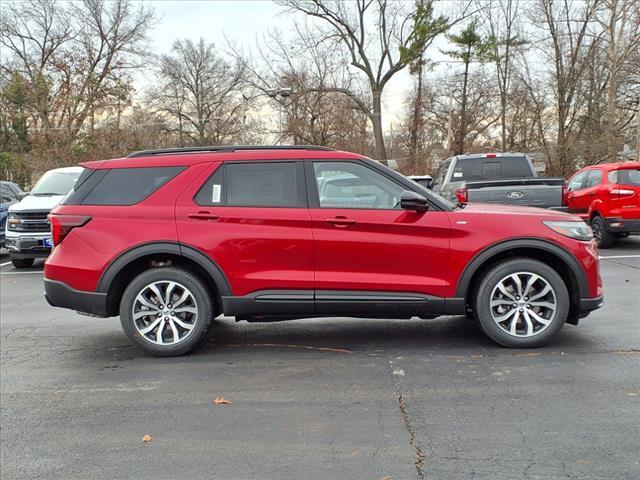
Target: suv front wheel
[166, 311]
[521, 303]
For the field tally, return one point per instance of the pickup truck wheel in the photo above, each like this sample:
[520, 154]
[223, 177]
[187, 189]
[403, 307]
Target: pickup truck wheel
[22, 262]
[602, 236]
[521, 303]
[166, 311]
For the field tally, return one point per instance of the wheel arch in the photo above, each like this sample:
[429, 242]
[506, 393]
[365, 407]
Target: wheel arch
[553, 255]
[130, 263]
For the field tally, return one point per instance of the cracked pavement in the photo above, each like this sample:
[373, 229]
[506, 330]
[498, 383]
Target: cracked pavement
[326, 398]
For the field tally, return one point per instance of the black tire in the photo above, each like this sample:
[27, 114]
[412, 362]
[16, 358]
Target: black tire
[202, 300]
[490, 280]
[22, 262]
[602, 236]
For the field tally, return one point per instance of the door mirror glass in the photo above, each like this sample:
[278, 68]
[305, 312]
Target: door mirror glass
[413, 201]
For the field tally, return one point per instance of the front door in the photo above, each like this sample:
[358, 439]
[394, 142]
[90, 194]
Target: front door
[371, 256]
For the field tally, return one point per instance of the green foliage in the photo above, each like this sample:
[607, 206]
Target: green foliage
[471, 46]
[425, 29]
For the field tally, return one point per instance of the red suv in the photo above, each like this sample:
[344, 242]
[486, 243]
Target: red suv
[170, 239]
[608, 197]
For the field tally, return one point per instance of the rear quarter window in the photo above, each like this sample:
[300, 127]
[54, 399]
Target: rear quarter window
[128, 186]
[626, 176]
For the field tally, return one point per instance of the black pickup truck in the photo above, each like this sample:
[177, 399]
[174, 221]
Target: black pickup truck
[504, 178]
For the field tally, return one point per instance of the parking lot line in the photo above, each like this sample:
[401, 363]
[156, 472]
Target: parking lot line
[5, 263]
[18, 273]
[620, 256]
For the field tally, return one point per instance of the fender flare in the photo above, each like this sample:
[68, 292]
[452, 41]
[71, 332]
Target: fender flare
[174, 248]
[531, 243]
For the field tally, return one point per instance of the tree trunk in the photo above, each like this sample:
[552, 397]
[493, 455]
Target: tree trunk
[612, 85]
[462, 132]
[376, 121]
[416, 123]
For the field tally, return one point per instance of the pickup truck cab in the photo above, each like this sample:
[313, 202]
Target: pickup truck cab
[501, 178]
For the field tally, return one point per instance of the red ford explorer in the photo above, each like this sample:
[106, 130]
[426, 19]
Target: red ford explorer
[170, 239]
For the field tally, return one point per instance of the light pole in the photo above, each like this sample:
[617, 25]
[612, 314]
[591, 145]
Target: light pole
[282, 93]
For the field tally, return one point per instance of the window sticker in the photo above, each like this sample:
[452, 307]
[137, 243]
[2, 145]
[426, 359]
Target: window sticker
[216, 190]
[457, 174]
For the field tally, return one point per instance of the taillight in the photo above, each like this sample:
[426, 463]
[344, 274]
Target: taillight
[462, 195]
[621, 192]
[61, 225]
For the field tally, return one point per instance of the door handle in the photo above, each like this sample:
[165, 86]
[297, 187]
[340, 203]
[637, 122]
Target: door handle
[592, 194]
[203, 216]
[340, 221]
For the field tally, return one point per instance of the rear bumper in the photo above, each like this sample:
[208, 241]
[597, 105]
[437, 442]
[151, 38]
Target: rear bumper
[588, 305]
[59, 294]
[623, 225]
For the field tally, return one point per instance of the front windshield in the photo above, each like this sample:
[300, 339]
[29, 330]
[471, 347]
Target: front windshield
[55, 183]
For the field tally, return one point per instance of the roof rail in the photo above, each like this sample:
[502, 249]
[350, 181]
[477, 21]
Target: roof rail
[223, 148]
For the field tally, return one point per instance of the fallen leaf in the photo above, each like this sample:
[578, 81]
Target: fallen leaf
[221, 401]
[147, 438]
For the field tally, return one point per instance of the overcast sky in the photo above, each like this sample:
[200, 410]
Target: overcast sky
[242, 21]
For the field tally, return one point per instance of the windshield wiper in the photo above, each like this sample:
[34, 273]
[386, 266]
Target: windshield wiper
[46, 193]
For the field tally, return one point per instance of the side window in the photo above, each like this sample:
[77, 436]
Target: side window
[593, 179]
[128, 186]
[441, 172]
[350, 185]
[577, 181]
[6, 194]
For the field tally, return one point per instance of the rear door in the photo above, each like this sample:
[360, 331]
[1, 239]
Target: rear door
[252, 219]
[371, 256]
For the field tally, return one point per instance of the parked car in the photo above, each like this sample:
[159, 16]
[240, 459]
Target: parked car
[424, 180]
[502, 178]
[169, 239]
[10, 193]
[28, 233]
[608, 197]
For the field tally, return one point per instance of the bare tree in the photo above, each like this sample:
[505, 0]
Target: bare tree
[73, 56]
[620, 20]
[568, 46]
[200, 93]
[375, 33]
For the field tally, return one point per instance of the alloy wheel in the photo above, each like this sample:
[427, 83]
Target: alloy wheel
[523, 304]
[165, 312]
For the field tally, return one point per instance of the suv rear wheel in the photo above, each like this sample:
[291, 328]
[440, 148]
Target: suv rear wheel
[166, 311]
[521, 303]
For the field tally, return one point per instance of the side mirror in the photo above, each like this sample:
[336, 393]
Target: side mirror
[21, 195]
[413, 201]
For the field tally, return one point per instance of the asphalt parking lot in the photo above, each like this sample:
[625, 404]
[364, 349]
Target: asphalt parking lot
[326, 399]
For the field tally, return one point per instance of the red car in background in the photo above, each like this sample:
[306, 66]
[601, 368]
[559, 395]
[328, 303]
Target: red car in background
[608, 197]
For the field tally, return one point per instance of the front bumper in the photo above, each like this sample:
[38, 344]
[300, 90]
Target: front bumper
[31, 246]
[623, 225]
[59, 294]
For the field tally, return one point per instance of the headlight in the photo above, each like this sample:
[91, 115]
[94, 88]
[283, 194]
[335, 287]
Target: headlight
[13, 221]
[576, 230]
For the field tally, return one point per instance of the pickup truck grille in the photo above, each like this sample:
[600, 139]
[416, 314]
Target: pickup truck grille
[32, 222]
